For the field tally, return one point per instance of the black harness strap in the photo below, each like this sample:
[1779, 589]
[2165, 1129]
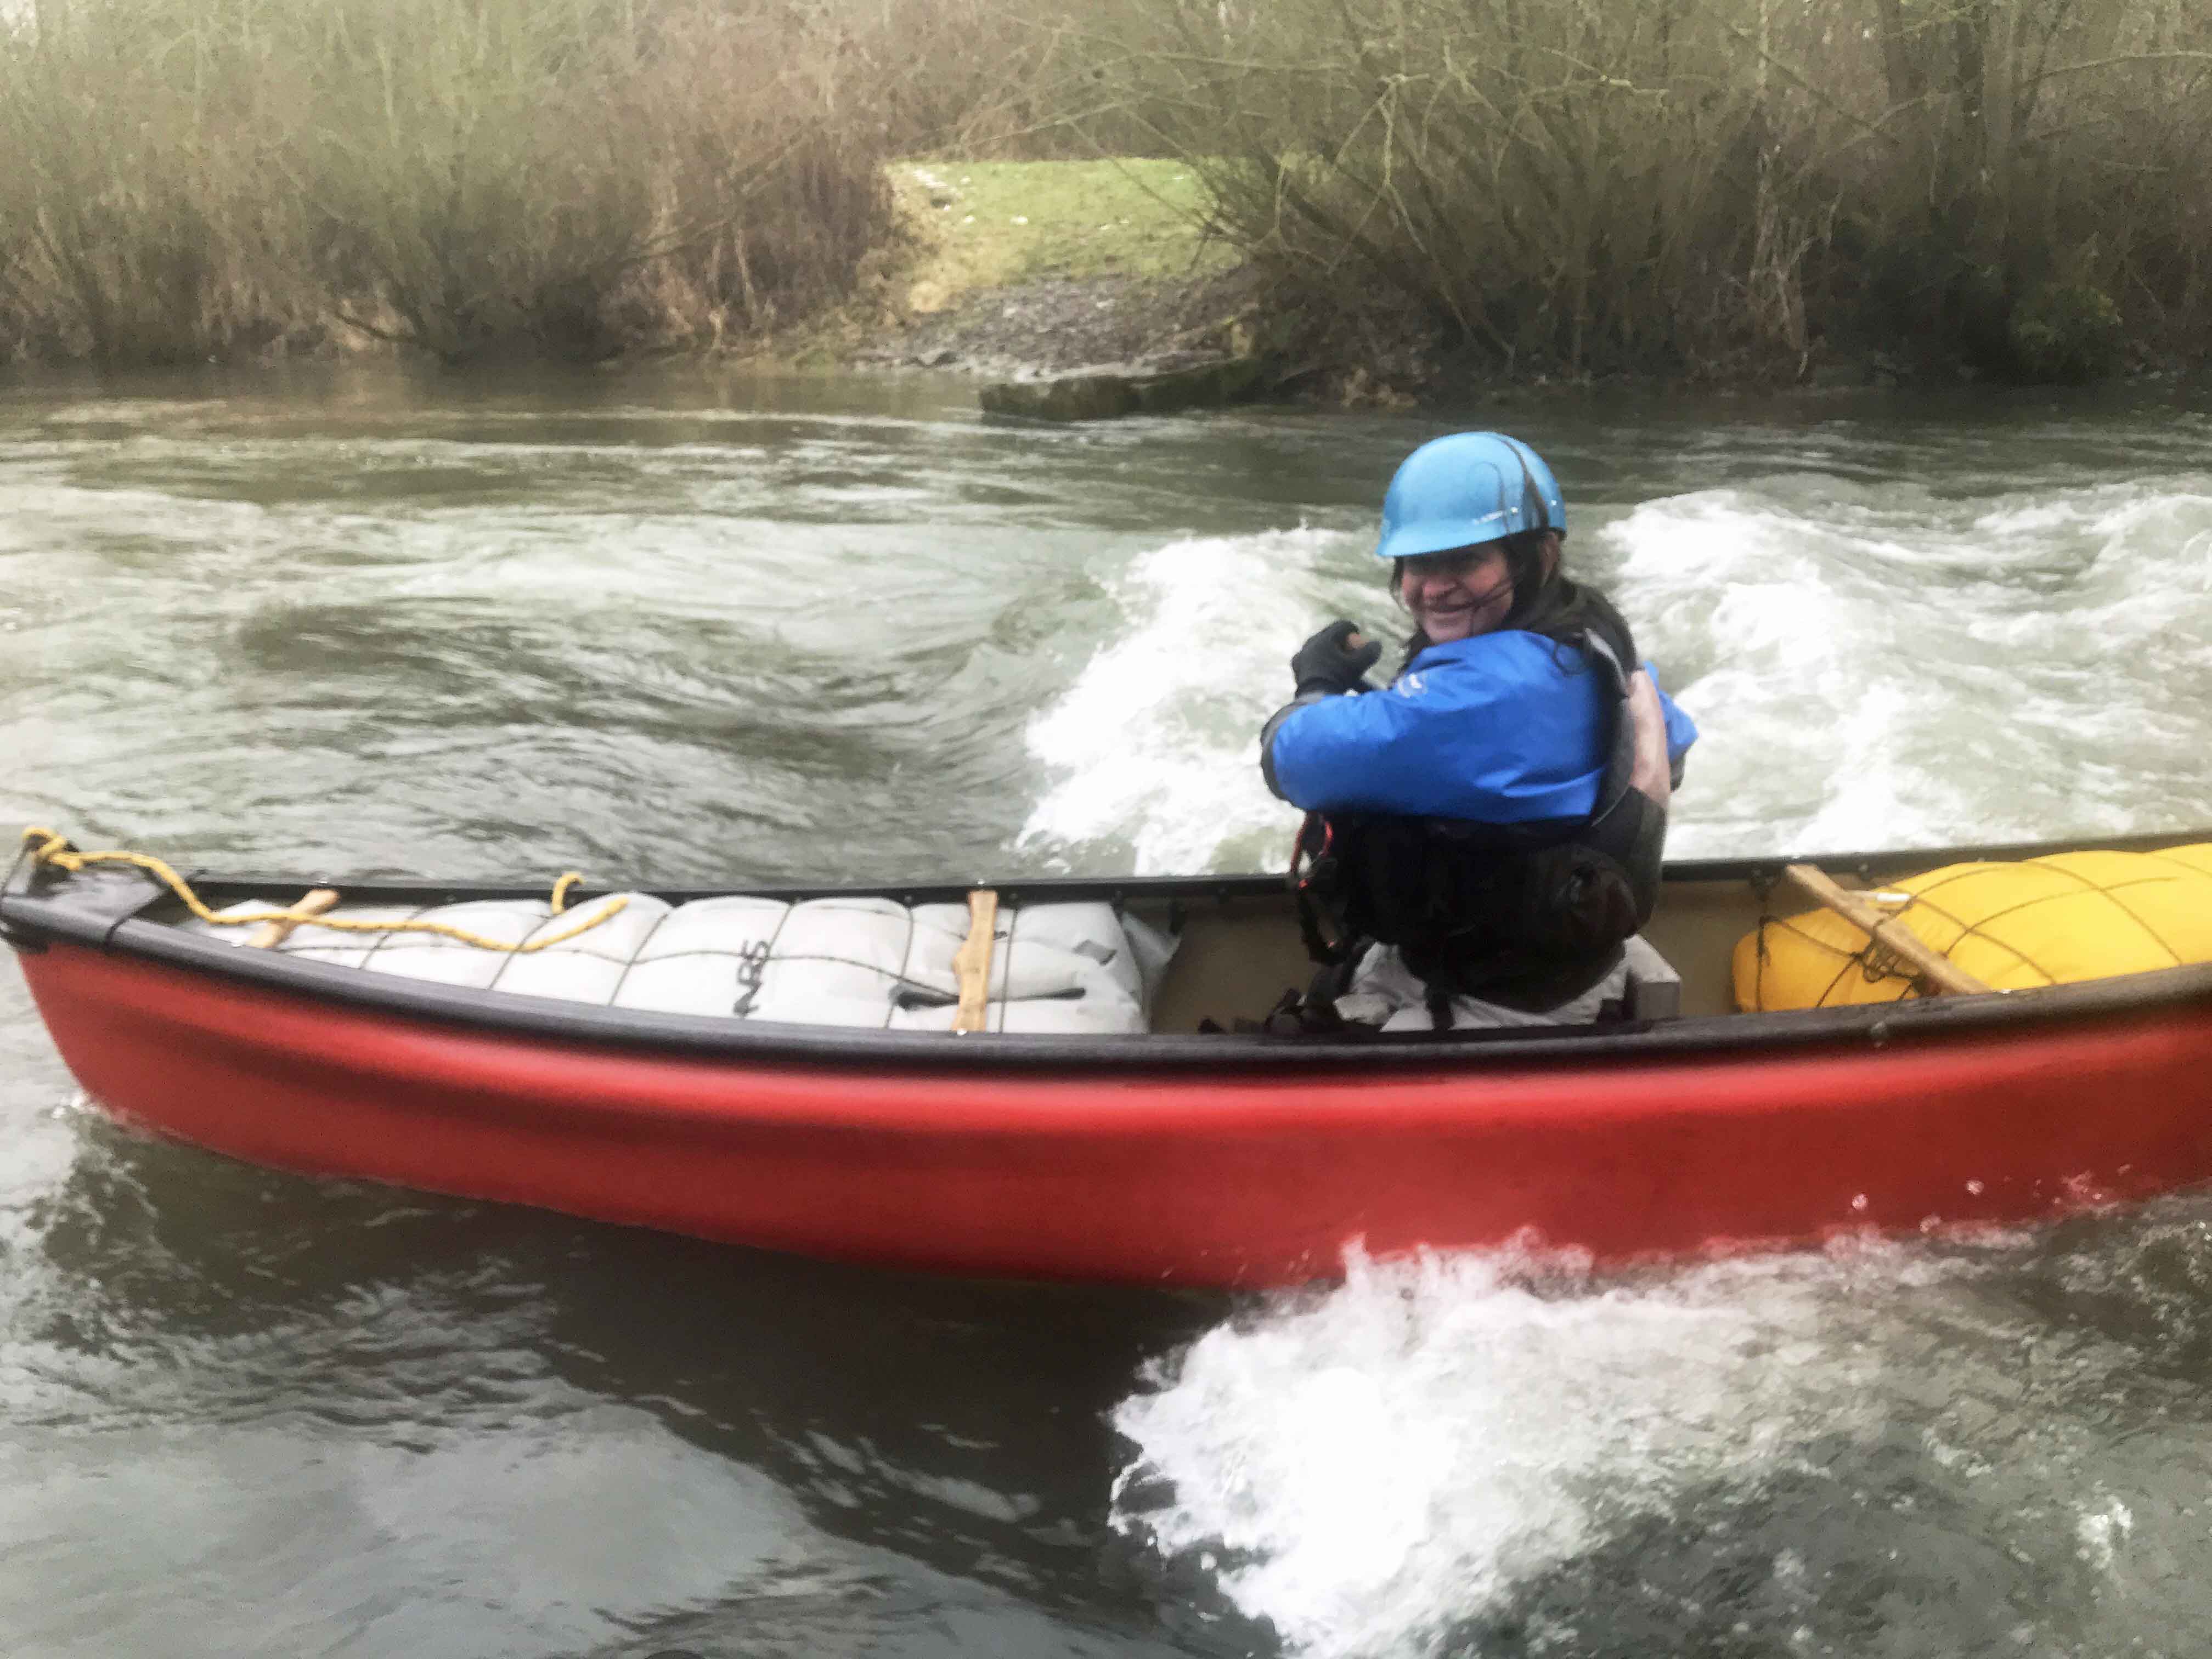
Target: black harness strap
[1474, 905]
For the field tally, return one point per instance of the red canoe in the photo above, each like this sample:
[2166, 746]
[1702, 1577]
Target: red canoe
[1159, 1154]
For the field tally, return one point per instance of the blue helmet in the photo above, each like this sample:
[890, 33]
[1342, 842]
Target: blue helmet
[1471, 487]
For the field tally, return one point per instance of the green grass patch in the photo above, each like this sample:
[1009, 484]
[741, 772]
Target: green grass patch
[984, 224]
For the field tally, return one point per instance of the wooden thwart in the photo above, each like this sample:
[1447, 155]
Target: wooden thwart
[973, 960]
[1892, 935]
[270, 934]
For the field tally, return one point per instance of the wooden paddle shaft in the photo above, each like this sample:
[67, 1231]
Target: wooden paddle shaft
[1888, 932]
[270, 934]
[973, 960]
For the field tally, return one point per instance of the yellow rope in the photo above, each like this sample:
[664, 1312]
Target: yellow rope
[47, 847]
[560, 887]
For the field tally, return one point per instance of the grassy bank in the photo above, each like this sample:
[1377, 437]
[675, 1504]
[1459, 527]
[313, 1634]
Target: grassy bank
[1728, 189]
[989, 224]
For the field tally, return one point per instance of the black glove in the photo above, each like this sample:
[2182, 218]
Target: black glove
[1335, 660]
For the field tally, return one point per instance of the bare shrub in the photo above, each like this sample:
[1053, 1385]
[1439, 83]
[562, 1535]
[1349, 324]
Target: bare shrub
[772, 193]
[1019, 80]
[135, 221]
[1703, 186]
[2019, 149]
[565, 177]
[569, 177]
[1700, 186]
[1561, 184]
[472, 193]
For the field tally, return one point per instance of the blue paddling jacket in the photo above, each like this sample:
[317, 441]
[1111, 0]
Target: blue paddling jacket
[1480, 814]
[1504, 729]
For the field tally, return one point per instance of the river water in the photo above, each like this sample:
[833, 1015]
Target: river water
[679, 626]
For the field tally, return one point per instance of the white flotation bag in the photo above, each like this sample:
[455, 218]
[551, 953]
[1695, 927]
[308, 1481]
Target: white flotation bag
[861, 962]
[2038, 921]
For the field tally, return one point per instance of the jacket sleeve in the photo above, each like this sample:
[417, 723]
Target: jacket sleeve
[1267, 738]
[1681, 730]
[1379, 751]
[1503, 729]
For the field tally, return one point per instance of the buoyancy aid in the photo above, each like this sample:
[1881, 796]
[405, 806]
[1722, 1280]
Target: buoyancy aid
[1496, 909]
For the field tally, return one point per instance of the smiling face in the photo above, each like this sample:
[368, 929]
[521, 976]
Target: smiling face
[1458, 594]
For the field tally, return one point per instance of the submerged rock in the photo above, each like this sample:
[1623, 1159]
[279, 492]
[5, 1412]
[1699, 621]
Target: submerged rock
[1062, 397]
[1103, 394]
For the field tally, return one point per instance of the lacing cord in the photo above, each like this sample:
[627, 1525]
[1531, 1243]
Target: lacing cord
[46, 847]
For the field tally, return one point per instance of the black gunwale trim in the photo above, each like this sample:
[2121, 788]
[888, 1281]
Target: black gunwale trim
[105, 914]
[228, 889]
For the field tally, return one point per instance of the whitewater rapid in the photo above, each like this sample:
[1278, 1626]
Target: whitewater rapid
[1881, 1449]
[1499, 1453]
[1869, 666]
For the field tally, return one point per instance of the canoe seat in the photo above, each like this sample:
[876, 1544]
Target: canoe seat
[861, 961]
[1655, 989]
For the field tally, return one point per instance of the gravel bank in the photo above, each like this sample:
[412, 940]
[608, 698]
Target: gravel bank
[1054, 325]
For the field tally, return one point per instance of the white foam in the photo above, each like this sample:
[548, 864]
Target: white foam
[1363, 1468]
[1868, 669]
[1156, 743]
[1887, 672]
[2103, 1527]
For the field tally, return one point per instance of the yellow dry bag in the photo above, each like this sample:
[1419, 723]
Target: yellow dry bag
[2041, 921]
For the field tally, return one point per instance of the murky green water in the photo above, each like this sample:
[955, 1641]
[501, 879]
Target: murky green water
[684, 627]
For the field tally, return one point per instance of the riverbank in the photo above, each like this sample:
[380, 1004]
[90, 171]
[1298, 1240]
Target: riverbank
[1012, 270]
[1017, 271]
[1531, 195]
[1009, 269]
[1033, 270]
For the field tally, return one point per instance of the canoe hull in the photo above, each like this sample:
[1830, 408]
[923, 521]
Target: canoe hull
[1257, 1176]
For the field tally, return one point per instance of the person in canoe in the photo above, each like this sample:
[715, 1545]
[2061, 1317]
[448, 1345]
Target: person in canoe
[1484, 835]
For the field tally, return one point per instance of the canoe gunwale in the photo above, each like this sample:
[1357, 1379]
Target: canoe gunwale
[220, 888]
[105, 910]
